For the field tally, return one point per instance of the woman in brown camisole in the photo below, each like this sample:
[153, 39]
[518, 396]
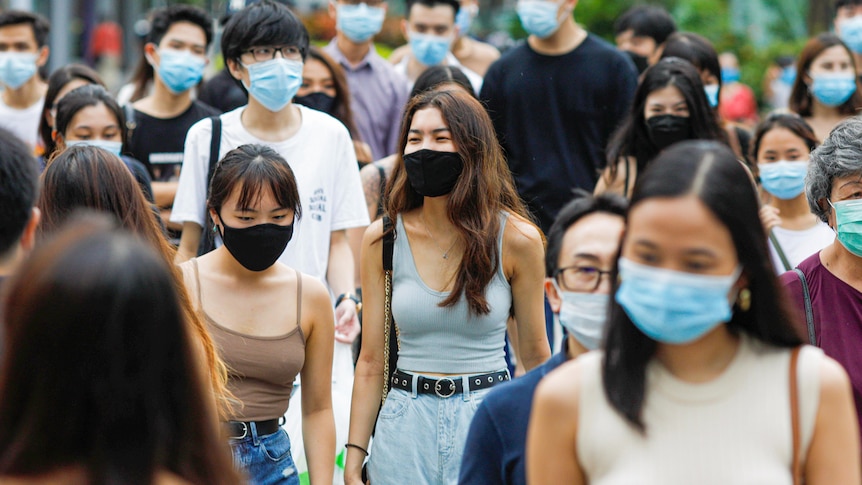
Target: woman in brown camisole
[269, 322]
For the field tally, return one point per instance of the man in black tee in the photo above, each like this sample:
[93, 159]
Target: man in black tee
[176, 49]
[555, 101]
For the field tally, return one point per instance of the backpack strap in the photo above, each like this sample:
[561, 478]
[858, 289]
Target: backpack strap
[809, 313]
[131, 122]
[215, 143]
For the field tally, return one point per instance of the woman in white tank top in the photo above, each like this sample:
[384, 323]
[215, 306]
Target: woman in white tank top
[694, 385]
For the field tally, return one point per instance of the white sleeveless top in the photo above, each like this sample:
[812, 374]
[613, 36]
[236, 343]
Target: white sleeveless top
[735, 429]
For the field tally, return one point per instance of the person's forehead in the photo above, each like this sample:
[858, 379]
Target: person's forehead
[17, 33]
[185, 31]
[439, 13]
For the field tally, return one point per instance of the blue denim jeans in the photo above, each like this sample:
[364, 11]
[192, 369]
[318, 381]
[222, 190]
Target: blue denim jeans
[265, 460]
[420, 437]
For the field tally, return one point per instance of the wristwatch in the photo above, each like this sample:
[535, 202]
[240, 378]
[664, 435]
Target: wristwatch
[346, 296]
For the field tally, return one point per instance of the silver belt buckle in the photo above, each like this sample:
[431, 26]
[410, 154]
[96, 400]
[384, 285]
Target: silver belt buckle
[244, 431]
[438, 387]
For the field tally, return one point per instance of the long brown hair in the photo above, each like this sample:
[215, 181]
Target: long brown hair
[341, 107]
[800, 96]
[484, 189]
[116, 390]
[89, 177]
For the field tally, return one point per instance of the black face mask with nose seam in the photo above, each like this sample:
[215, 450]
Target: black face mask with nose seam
[665, 130]
[257, 247]
[432, 173]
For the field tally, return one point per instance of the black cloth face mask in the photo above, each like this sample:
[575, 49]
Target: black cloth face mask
[433, 173]
[258, 247]
[317, 100]
[665, 130]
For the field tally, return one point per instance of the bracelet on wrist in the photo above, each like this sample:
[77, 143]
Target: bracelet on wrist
[351, 445]
[348, 296]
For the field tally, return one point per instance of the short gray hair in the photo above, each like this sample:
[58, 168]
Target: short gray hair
[840, 155]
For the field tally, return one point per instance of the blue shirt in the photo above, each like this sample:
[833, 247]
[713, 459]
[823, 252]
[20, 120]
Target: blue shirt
[494, 452]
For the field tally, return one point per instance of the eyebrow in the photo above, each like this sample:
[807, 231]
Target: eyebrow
[435, 130]
[590, 256]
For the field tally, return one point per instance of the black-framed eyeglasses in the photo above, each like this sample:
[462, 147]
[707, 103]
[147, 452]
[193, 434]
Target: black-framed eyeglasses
[582, 278]
[267, 53]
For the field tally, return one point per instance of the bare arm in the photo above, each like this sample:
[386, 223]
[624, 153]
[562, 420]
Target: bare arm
[189, 242]
[551, 452]
[833, 456]
[616, 183]
[339, 275]
[318, 422]
[164, 193]
[524, 255]
[368, 376]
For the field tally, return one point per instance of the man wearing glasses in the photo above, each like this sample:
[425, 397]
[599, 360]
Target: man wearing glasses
[379, 93]
[264, 46]
[582, 248]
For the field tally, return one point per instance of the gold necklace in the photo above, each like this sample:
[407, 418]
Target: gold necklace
[446, 252]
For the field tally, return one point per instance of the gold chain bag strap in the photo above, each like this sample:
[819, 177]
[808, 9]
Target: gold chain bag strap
[795, 468]
[390, 345]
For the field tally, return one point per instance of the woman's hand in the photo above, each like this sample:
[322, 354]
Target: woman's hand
[769, 217]
[346, 322]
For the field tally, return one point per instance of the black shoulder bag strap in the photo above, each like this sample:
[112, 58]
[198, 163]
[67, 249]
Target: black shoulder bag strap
[207, 242]
[390, 344]
[809, 313]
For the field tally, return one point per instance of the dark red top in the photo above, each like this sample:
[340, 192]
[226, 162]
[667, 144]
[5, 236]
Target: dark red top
[837, 309]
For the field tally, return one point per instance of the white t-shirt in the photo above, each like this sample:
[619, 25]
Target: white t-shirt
[23, 123]
[798, 245]
[475, 79]
[324, 163]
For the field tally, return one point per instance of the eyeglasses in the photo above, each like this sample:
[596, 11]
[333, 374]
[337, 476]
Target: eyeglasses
[580, 278]
[267, 53]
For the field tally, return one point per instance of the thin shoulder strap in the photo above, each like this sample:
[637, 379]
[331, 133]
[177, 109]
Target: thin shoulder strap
[298, 296]
[809, 312]
[197, 282]
[794, 417]
[628, 175]
[783, 257]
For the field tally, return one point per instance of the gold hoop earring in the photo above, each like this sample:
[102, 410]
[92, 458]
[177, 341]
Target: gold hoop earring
[744, 299]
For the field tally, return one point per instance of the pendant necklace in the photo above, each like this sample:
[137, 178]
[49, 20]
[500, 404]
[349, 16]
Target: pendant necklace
[446, 252]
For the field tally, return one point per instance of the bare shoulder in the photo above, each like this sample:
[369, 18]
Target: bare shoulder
[486, 51]
[313, 291]
[559, 389]
[521, 234]
[373, 234]
[834, 381]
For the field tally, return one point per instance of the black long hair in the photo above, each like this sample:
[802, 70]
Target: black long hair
[711, 172]
[631, 138]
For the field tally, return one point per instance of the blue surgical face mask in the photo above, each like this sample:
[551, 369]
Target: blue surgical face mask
[711, 94]
[16, 68]
[730, 75]
[114, 147]
[671, 306]
[833, 89]
[788, 75]
[783, 179]
[539, 17]
[359, 22]
[848, 224]
[583, 315]
[428, 49]
[464, 19]
[851, 33]
[180, 70]
[275, 82]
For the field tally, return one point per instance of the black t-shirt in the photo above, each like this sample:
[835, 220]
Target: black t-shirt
[223, 92]
[554, 115]
[158, 143]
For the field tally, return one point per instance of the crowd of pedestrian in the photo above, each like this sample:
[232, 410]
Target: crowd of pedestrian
[323, 266]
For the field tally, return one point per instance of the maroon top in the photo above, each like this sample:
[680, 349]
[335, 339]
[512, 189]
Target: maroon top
[837, 309]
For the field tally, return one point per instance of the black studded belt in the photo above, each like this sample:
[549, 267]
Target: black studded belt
[447, 386]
